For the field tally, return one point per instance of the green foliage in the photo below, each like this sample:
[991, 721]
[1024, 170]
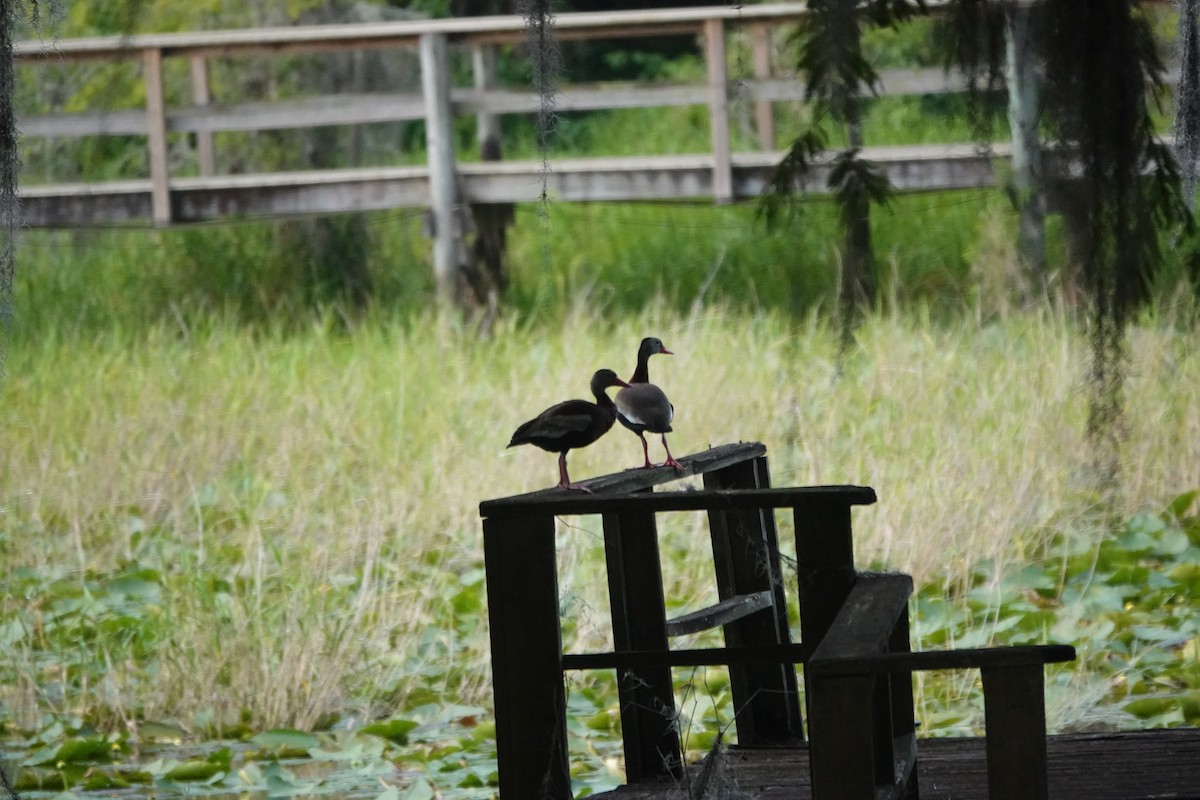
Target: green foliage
[1127, 603]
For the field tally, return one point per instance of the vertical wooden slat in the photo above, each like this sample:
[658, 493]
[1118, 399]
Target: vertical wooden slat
[439, 141]
[156, 129]
[483, 67]
[718, 109]
[841, 750]
[1015, 721]
[764, 110]
[527, 681]
[200, 97]
[652, 746]
[746, 560]
[824, 565]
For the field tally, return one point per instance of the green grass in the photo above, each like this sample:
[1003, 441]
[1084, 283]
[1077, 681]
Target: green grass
[268, 525]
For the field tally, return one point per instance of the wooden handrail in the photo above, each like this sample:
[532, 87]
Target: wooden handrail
[505, 28]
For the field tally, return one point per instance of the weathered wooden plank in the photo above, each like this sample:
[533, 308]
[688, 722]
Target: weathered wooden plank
[160, 178]
[1135, 765]
[966, 658]
[644, 22]
[863, 626]
[355, 108]
[826, 498]
[718, 110]
[760, 56]
[724, 612]
[841, 745]
[632, 480]
[635, 591]
[205, 155]
[1015, 718]
[746, 559]
[198, 199]
[793, 653]
[523, 617]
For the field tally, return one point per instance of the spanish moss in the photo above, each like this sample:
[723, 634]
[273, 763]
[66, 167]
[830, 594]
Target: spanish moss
[545, 60]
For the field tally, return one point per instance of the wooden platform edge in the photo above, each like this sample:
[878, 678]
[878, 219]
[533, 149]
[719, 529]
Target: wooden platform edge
[623, 491]
[636, 479]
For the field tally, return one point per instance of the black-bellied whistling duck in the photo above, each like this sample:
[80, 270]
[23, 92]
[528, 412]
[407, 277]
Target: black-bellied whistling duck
[572, 424]
[642, 406]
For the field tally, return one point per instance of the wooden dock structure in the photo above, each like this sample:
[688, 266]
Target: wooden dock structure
[850, 734]
[1134, 765]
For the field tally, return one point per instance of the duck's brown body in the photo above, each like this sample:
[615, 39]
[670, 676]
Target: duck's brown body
[572, 424]
[642, 406]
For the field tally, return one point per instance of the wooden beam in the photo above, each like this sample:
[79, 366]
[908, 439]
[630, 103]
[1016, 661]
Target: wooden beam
[729, 610]
[205, 155]
[348, 108]
[1015, 721]
[443, 177]
[794, 653]
[647, 693]
[764, 112]
[156, 131]
[746, 560]
[718, 110]
[647, 178]
[508, 28]
[526, 643]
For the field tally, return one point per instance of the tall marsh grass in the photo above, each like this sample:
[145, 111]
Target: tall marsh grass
[299, 508]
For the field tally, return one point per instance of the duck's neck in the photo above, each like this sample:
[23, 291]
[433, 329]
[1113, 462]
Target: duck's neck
[602, 398]
[642, 373]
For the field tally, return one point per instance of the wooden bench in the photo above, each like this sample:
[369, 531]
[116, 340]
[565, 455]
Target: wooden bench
[854, 637]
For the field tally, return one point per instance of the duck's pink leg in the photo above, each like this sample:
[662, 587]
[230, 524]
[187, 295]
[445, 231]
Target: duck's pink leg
[564, 481]
[645, 451]
[670, 462]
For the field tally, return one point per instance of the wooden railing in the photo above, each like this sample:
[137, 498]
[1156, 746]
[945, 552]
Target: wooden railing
[439, 101]
[443, 184]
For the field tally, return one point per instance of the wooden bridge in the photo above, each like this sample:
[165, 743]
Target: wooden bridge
[720, 174]
[198, 192]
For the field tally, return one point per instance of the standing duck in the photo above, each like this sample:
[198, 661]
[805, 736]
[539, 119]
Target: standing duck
[572, 424]
[642, 406]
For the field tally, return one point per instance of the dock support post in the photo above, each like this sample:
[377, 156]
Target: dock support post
[439, 142]
[531, 723]
[648, 724]
[746, 560]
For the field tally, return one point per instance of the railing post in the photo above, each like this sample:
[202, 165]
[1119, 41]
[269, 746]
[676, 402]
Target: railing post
[200, 97]
[648, 725]
[746, 560]
[523, 618]
[156, 135]
[718, 109]
[439, 143]
[764, 111]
